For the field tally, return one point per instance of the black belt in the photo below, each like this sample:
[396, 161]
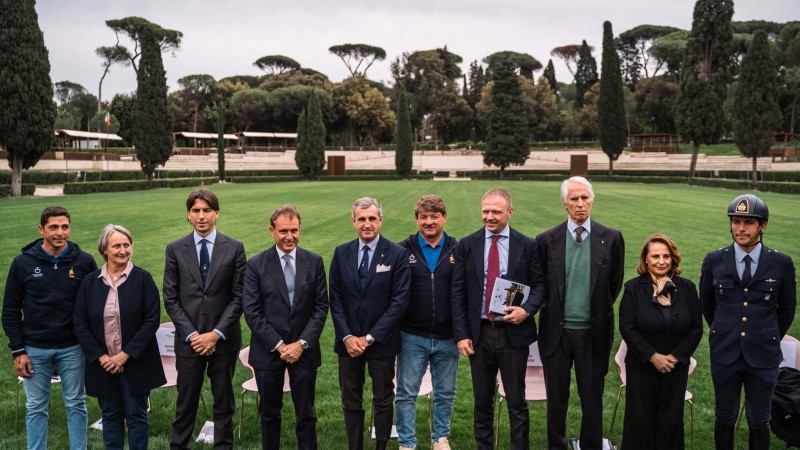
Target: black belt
[493, 323]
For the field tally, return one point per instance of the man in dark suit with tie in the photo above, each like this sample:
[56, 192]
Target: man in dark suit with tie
[369, 292]
[583, 265]
[748, 293]
[285, 300]
[490, 341]
[203, 277]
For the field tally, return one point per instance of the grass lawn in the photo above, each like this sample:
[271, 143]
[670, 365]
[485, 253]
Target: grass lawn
[693, 216]
[727, 149]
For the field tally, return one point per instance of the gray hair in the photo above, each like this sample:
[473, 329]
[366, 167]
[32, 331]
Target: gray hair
[364, 203]
[102, 243]
[580, 180]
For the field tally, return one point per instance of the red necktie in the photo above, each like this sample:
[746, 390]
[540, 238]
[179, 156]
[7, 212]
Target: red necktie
[492, 272]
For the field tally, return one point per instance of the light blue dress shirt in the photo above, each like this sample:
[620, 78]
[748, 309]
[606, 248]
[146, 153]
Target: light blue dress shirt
[211, 238]
[587, 228]
[739, 254]
[502, 250]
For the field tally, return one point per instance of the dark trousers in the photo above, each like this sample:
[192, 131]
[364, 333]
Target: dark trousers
[494, 352]
[575, 347]
[220, 368]
[654, 408]
[759, 385]
[351, 382]
[302, 381]
[121, 409]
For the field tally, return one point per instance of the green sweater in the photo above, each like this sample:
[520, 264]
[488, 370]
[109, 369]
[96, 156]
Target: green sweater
[577, 311]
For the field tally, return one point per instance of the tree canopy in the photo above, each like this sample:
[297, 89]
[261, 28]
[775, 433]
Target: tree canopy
[310, 155]
[195, 90]
[276, 64]
[550, 74]
[506, 135]
[586, 75]
[110, 56]
[526, 63]
[133, 27]
[568, 54]
[635, 59]
[355, 55]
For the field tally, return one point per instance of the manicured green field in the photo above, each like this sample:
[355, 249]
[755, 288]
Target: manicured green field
[693, 216]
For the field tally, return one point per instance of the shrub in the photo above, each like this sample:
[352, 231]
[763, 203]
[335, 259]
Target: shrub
[121, 186]
[27, 189]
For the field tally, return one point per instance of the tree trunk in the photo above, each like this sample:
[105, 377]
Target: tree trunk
[196, 108]
[502, 173]
[693, 164]
[610, 168]
[755, 173]
[794, 105]
[16, 176]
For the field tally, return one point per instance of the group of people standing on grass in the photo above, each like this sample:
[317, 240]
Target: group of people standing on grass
[397, 310]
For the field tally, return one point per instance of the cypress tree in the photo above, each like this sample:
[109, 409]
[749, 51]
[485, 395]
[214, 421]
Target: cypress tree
[698, 112]
[756, 115]
[611, 125]
[586, 75]
[403, 138]
[221, 143]
[315, 137]
[27, 112]
[506, 137]
[301, 151]
[152, 134]
[550, 74]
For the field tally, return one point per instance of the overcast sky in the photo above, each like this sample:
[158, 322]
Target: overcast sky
[224, 38]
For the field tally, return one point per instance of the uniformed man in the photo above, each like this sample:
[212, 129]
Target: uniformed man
[748, 296]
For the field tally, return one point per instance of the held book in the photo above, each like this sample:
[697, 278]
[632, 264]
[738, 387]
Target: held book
[507, 293]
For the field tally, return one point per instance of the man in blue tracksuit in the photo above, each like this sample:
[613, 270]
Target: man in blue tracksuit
[427, 331]
[37, 318]
[748, 295]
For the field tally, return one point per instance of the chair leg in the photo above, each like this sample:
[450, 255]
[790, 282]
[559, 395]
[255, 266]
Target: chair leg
[16, 414]
[499, 416]
[691, 421]
[741, 413]
[614, 416]
[430, 417]
[241, 415]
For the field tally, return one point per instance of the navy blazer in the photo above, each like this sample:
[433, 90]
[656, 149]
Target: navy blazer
[467, 297]
[606, 273]
[139, 314]
[270, 316]
[645, 329]
[749, 320]
[378, 310]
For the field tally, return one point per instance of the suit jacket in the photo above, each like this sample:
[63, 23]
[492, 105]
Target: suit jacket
[752, 319]
[195, 307]
[379, 308]
[271, 318]
[467, 296]
[139, 315]
[644, 328]
[606, 272]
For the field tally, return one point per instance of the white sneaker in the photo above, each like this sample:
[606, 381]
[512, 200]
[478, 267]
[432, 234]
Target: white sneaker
[443, 444]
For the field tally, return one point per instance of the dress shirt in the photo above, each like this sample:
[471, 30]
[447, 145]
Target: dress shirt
[111, 322]
[431, 254]
[372, 246]
[502, 250]
[210, 247]
[587, 228]
[740, 254]
[293, 261]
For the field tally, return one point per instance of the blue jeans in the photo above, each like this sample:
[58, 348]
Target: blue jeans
[415, 354]
[68, 362]
[124, 408]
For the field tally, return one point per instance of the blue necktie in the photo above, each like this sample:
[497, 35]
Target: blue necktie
[288, 273]
[205, 261]
[363, 269]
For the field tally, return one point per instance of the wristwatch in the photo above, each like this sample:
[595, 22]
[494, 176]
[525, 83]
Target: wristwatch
[304, 344]
[370, 339]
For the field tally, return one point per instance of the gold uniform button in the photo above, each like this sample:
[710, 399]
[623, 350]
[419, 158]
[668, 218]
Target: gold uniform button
[744, 319]
[745, 304]
[745, 290]
[743, 333]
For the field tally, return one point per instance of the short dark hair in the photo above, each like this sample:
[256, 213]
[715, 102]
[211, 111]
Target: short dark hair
[289, 210]
[53, 211]
[203, 194]
[430, 203]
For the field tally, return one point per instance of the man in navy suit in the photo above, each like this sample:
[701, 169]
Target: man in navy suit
[369, 292]
[748, 294]
[490, 341]
[285, 300]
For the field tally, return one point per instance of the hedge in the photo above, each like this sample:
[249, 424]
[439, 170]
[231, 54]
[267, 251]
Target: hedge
[27, 189]
[120, 186]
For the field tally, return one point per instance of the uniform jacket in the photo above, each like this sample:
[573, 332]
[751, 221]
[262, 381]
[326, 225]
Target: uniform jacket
[749, 320]
[606, 271]
[40, 296]
[269, 315]
[217, 305]
[380, 307]
[428, 312]
[645, 330]
[139, 315]
[524, 266]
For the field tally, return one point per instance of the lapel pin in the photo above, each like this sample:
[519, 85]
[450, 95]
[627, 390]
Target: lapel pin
[381, 255]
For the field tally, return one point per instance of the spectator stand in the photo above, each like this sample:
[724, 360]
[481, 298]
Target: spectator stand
[191, 143]
[655, 142]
